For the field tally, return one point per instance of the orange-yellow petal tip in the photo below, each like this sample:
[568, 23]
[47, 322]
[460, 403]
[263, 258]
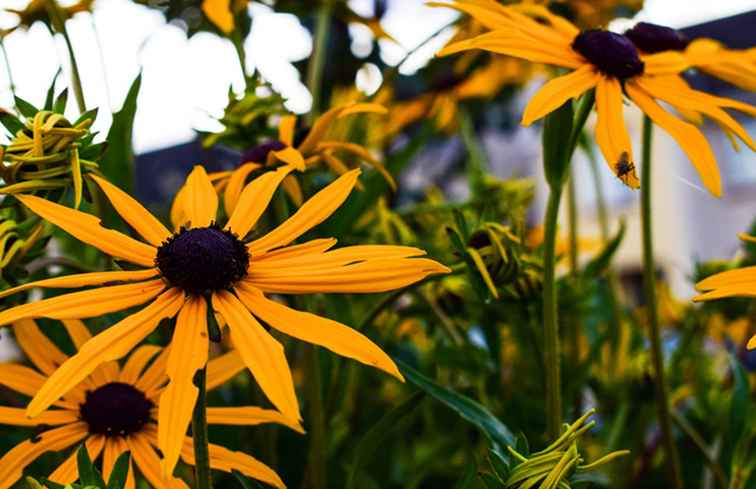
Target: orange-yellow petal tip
[752, 343]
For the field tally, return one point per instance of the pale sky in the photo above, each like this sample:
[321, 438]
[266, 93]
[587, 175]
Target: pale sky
[185, 82]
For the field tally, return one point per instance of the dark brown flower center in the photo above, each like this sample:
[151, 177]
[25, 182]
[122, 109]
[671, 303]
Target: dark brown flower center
[259, 154]
[203, 260]
[115, 409]
[653, 38]
[612, 54]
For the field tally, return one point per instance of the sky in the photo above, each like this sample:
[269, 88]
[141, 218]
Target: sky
[186, 81]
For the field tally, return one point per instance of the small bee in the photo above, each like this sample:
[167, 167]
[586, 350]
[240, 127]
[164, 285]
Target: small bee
[624, 168]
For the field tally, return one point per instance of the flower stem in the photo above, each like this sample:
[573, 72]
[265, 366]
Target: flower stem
[238, 42]
[550, 322]
[649, 285]
[574, 329]
[199, 433]
[11, 83]
[317, 61]
[317, 475]
[59, 24]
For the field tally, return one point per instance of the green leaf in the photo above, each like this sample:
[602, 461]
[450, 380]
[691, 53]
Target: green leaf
[88, 473]
[60, 103]
[120, 472]
[51, 91]
[11, 123]
[599, 264]
[740, 403]
[118, 161]
[50, 484]
[557, 129]
[499, 464]
[491, 481]
[470, 410]
[468, 479]
[90, 114]
[378, 433]
[25, 108]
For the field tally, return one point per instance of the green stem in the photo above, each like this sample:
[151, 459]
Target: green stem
[317, 61]
[59, 24]
[199, 433]
[649, 283]
[8, 71]
[317, 474]
[238, 42]
[550, 320]
[476, 156]
[574, 318]
[699, 442]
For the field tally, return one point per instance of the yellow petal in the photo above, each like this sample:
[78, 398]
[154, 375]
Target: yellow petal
[13, 463]
[134, 213]
[154, 377]
[380, 275]
[236, 184]
[611, 134]
[318, 258]
[263, 355]
[188, 355]
[292, 188]
[728, 278]
[87, 228]
[316, 210]
[223, 368]
[147, 461]
[325, 121]
[198, 202]
[219, 13]
[690, 139]
[558, 91]
[114, 447]
[27, 381]
[335, 336]
[68, 471]
[363, 153]
[79, 334]
[286, 129]
[292, 157]
[664, 63]
[54, 417]
[87, 303]
[136, 363]
[228, 461]
[314, 246]
[249, 416]
[752, 343]
[254, 200]
[83, 280]
[111, 344]
[737, 290]
[41, 351]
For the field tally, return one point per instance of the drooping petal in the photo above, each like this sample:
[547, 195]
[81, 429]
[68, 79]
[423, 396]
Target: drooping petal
[219, 13]
[53, 417]
[690, 139]
[316, 210]
[87, 303]
[134, 213]
[359, 151]
[42, 352]
[379, 275]
[87, 228]
[745, 275]
[286, 129]
[558, 91]
[111, 344]
[228, 461]
[254, 199]
[20, 378]
[292, 157]
[292, 188]
[114, 447]
[324, 122]
[83, 280]
[188, 354]
[136, 363]
[197, 202]
[263, 355]
[611, 134]
[13, 463]
[68, 471]
[249, 416]
[223, 368]
[745, 289]
[147, 461]
[330, 334]
[235, 185]
[79, 334]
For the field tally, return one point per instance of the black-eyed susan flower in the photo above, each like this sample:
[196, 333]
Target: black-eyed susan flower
[610, 64]
[310, 148]
[740, 282]
[736, 66]
[201, 262]
[112, 410]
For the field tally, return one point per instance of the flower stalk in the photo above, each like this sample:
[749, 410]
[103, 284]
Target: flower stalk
[317, 61]
[59, 24]
[199, 433]
[649, 285]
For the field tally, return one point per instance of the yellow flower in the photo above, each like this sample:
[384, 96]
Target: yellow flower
[442, 101]
[203, 262]
[610, 64]
[732, 283]
[314, 148]
[113, 409]
[707, 55]
[36, 11]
